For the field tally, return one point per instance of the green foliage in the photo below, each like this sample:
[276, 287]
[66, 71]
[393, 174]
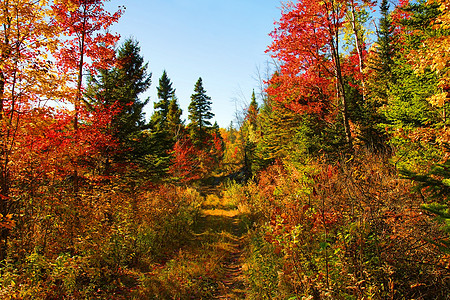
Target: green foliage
[175, 125]
[285, 133]
[165, 128]
[199, 114]
[411, 119]
[385, 45]
[263, 270]
[166, 93]
[120, 87]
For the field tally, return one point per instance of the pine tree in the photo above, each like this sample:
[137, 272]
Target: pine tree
[122, 86]
[385, 39]
[165, 94]
[252, 112]
[174, 123]
[199, 114]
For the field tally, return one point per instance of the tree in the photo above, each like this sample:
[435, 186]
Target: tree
[165, 94]
[199, 114]
[433, 55]
[307, 42]
[82, 22]
[252, 111]
[385, 40]
[174, 123]
[27, 81]
[416, 124]
[356, 17]
[120, 87]
[85, 47]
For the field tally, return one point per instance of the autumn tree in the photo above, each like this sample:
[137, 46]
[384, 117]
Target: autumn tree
[82, 22]
[308, 44]
[28, 80]
[427, 26]
[86, 47]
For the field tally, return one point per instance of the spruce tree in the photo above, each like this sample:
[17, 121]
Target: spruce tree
[174, 123]
[165, 94]
[162, 124]
[199, 114]
[121, 86]
[132, 80]
[252, 112]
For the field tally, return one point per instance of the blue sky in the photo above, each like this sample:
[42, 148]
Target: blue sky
[222, 41]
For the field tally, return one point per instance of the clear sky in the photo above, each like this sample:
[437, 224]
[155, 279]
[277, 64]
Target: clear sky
[222, 41]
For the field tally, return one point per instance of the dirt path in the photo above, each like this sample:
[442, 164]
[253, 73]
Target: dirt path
[227, 226]
[209, 265]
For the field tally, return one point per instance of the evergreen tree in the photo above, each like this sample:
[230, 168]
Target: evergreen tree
[231, 133]
[252, 112]
[249, 136]
[385, 40]
[163, 123]
[132, 80]
[165, 95]
[199, 114]
[174, 123]
[379, 81]
[120, 87]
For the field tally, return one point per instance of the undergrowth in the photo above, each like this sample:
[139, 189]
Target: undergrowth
[351, 230]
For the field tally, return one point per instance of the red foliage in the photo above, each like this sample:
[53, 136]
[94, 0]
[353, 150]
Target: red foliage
[82, 21]
[192, 163]
[303, 41]
[184, 160]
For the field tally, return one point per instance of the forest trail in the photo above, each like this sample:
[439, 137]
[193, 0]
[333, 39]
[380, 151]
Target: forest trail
[224, 224]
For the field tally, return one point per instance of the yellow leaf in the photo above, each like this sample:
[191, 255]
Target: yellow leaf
[438, 99]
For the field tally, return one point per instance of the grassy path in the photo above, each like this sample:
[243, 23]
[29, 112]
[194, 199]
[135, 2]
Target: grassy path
[210, 265]
[227, 224]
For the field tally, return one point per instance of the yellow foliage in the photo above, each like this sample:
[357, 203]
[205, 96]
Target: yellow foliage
[435, 53]
[438, 99]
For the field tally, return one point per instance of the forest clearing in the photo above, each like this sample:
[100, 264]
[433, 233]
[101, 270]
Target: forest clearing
[332, 182]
